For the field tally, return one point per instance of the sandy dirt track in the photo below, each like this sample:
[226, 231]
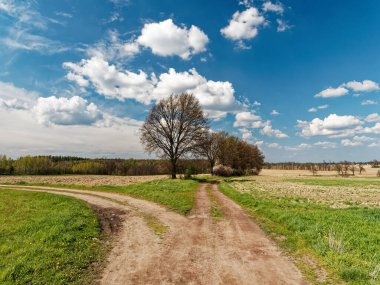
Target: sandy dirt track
[196, 249]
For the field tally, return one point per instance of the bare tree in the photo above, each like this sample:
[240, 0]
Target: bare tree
[313, 169]
[345, 168]
[209, 148]
[174, 127]
[361, 169]
[339, 169]
[352, 168]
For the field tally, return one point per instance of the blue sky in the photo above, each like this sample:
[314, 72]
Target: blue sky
[298, 78]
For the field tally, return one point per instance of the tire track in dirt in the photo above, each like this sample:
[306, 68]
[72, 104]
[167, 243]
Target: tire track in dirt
[252, 253]
[134, 245]
[195, 250]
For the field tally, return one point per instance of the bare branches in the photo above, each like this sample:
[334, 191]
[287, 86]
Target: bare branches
[230, 151]
[174, 127]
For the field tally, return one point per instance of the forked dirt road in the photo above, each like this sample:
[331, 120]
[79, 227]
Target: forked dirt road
[197, 249]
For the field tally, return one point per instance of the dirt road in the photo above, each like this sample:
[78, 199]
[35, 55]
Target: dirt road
[197, 249]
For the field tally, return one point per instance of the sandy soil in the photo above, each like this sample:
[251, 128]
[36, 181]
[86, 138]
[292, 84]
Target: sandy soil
[195, 250]
[86, 180]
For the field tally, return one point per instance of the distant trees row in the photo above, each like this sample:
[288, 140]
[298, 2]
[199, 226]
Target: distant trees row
[322, 166]
[41, 165]
[176, 127]
[344, 168]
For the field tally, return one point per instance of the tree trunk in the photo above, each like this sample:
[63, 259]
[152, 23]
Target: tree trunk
[174, 169]
[212, 164]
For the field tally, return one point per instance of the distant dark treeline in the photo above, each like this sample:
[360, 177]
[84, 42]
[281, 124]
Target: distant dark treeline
[322, 166]
[41, 165]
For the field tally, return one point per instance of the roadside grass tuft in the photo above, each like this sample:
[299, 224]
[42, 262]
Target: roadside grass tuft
[216, 210]
[46, 239]
[346, 242]
[155, 225]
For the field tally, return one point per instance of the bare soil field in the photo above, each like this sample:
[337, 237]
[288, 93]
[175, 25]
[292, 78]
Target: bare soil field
[369, 172]
[85, 180]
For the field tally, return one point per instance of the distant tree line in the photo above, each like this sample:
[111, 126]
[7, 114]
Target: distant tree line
[343, 168]
[323, 166]
[55, 165]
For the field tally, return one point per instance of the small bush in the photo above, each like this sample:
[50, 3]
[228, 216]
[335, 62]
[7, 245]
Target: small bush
[189, 172]
[378, 173]
[222, 170]
[253, 171]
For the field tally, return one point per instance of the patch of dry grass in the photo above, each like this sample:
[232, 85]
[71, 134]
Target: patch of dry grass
[336, 196]
[84, 180]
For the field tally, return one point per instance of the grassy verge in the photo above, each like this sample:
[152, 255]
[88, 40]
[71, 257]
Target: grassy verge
[177, 195]
[346, 242]
[345, 182]
[216, 211]
[155, 225]
[46, 239]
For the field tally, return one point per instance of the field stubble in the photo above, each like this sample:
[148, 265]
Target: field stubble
[84, 180]
[341, 192]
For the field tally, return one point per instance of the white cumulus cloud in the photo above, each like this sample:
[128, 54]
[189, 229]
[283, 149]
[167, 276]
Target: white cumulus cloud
[110, 82]
[12, 97]
[343, 89]
[243, 25]
[363, 138]
[216, 97]
[333, 126]
[167, 39]
[332, 92]
[246, 119]
[268, 6]
[270, 132]
[347, 142]
[373, 118]
[372, 130]
[275, 113]
[66, 111]
[365, 86]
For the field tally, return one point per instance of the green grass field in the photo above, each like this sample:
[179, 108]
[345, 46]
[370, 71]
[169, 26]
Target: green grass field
[346, 242]
[177, 195]
[46, 239]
